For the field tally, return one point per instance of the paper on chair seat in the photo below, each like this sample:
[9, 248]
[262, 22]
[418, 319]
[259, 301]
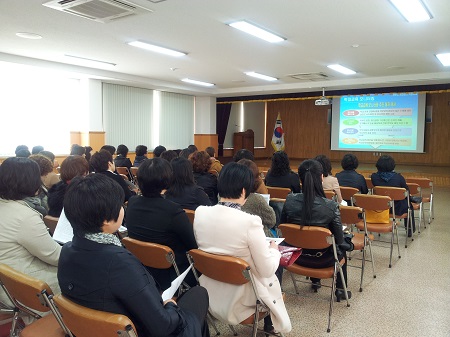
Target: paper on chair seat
[169, 292]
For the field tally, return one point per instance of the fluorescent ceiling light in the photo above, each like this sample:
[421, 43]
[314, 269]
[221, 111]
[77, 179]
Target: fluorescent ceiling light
[444, 59]
[412, 10]
[89, 62]
[341, 69]
[157, 49]
[31, 36]
[256, 31]
[205, 84]
[261, 76]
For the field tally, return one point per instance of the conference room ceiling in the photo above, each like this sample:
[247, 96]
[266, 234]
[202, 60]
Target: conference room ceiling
[368, 36]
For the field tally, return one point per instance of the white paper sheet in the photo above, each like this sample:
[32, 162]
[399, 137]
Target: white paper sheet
[277, 240]
[266, 197]
[169, 292]
[63, 231]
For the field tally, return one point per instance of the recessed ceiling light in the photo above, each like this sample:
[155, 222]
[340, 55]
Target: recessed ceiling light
[89, 62]
[261, 76]
[412, 10]
[31, 36]
[444, 59]
[157, 49]
[341, 69]
[256, 31]
[204, 84]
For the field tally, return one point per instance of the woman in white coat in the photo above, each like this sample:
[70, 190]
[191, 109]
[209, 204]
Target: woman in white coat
[25, 243]
[225, 229]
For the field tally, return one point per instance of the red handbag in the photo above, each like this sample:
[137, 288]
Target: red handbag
[289, 255]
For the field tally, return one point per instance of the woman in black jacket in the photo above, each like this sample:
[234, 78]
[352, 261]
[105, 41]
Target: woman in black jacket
[280, 173]
[312, 208]
[201, 163]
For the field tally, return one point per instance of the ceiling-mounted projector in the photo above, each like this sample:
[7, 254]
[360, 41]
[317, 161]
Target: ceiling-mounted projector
[323, 100]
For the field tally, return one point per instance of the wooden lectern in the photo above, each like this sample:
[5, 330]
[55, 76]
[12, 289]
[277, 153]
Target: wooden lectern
[244, 140]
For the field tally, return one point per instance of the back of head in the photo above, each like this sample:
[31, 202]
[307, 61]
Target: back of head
[158, 150]
[100, 161]
[182, 176]
[211, 151]
[24, 153]
[243, 154]
[385, 163]
[20, 147]
[255, 171]
[192, 148]
[36, 149]
[45, 165]
[122, 150]
[169, 155]
[280, 164]
[111, 149]
[349, 162]
[73, 166]
[310, 172]
[232, 179]
[326, 164]
[200, 161]
[49, 155]
[90, 201]
[141, 150]
[77, 150]
[154, 175]
[19, 178]
[185, 153]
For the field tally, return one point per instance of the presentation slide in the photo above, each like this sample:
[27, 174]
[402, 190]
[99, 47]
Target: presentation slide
[384, 122]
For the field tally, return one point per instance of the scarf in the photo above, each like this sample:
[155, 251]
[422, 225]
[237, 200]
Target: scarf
[386, 176]
[104, 238]
[230, 204]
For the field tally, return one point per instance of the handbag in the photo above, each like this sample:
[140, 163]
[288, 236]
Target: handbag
[289, 255]
[347, 245]
[377, 216]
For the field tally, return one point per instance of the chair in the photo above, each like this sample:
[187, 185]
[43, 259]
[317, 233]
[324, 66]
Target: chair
[134, 173]
[330, 194]
[426, 186]
[122, 170]
[51, 222]
[190, 214]
[278, 192]
[347, 193]
[415, 190]
[397, 194]
[369, 185]
[86, 322]
[231, 270]
[377, 203]
[314, 237]
[32, 297]
[350, 216]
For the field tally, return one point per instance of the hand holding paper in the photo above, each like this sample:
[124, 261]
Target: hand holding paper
[169, 292]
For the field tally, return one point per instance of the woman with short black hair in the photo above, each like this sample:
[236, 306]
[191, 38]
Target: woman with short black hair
[97, 272]
[141, 155]
[280, 173]
[26, 244]
[152, 218]
[183, 189]
[349, 177]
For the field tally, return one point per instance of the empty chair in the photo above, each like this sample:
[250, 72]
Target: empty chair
[350, 216]
[230, 270]
[32, 297]
[320, 238]
[278, 192]
[377, 203]
[426, 186]
[415, 191]
[347, 193]
[86, 322]
[398, 194]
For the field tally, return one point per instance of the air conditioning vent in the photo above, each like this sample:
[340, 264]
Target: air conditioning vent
[97, 10]
[310, 76]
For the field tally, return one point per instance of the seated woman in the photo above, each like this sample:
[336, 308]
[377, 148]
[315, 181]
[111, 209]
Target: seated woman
[183, 189]
[102, 163]
[40, 201]
[141, 155]
[349, 177]
[225, 229]
[152, 218]
[329, 182]
[71, 167]
[26, 244]
[121, 159]
[280, 173]
[386, 176]
[312, 208]
[201, 164]
[255, 203]
[51, 178]
[97, 272]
